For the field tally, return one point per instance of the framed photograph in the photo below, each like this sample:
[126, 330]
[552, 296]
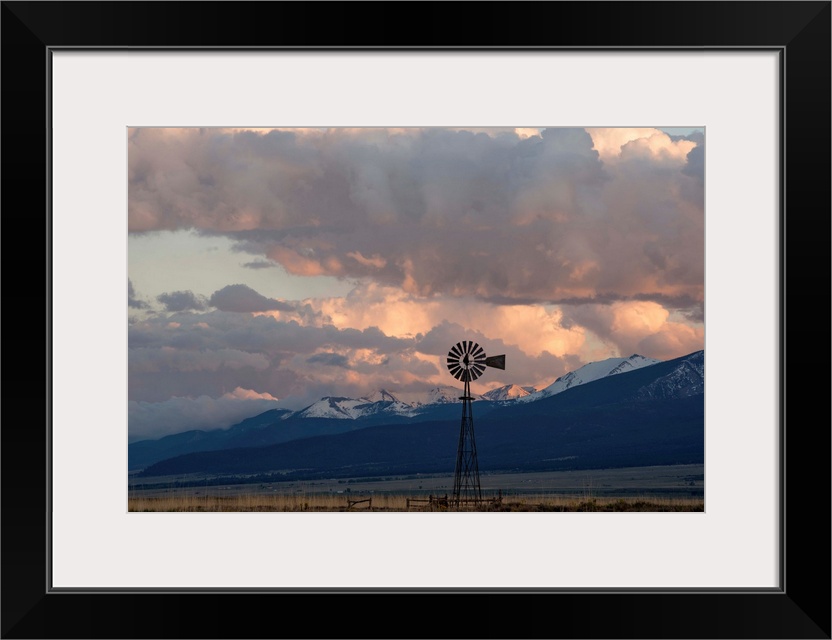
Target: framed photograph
[323, 297]
[126, 124]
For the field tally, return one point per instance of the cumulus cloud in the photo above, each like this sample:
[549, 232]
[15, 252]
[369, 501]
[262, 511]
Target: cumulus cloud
[146, 360]
[521, 368]
[260, 264]
[568, 213]
[378, 339]
[241, 298]
[329, 359]
[555, 247]
[642, 327]
[132, 301]
[401, 314]
[189, 354]
[182, 301]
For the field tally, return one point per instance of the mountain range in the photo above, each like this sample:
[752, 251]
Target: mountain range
[632, 409]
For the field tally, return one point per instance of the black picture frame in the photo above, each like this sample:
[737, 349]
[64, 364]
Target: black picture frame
[799, 31]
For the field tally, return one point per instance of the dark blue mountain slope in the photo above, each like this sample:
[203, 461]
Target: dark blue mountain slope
[624, 420]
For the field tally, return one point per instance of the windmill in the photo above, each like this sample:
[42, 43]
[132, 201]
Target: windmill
[467, 361]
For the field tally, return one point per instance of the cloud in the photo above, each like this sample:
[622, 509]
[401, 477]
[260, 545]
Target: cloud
[189, 354]
[521, 368]
[151, 420]
[187, 361]
[241, 298]
[384, 336]
[555, 247]
[694, 190]
[643, 327]
[616, 143]
[182, 301]
[375, 261]
[146, 360]
[400, 314]
[565, 214]
[329, 359]
[260, 264]
[132, 301]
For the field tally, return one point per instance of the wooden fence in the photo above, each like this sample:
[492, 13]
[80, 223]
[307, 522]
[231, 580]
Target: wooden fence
[444, 503]
[352, 503]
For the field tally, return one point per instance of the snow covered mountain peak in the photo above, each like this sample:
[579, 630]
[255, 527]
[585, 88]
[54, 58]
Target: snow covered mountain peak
[688, 379]
[590, 372]
[381, 395]
[508, 392]
[382, 402]
[333, 407]
[445, 395]
[635, 361]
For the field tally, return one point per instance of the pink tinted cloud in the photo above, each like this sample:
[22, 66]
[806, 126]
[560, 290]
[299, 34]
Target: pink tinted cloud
[542, 218]
[642, 327]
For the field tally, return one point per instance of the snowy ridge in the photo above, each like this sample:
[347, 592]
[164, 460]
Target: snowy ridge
[383, 402]
[688, 379]
[380, 395]
[591, 372]
[444, 395]
[331, 407]
[338, 408]
[508, 392]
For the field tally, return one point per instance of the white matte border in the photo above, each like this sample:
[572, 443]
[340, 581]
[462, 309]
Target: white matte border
[97, 95]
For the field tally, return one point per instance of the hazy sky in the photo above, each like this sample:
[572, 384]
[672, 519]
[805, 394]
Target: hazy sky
[274, 267]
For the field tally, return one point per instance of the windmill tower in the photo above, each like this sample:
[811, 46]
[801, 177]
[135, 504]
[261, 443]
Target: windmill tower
[467, 361]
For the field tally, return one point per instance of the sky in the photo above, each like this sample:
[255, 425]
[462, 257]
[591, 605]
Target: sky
[269, 268]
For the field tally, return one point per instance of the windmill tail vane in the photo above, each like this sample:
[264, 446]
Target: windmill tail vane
[467, 361]
[497, 362]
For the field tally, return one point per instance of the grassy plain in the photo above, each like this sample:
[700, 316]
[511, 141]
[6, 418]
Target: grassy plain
[661, 488]
[397, 502]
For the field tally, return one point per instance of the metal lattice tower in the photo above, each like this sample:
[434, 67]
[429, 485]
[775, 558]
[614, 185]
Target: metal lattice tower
[467, 361]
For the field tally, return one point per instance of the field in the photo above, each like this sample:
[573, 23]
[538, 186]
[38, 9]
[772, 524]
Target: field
[665, 488]
[397, 502]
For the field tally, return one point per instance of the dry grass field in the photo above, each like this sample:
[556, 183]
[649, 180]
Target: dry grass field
[401, 502]
[660, 488]
[657, 488]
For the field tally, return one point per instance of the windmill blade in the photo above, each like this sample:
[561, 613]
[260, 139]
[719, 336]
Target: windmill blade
[496, 362]
[467, 361]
